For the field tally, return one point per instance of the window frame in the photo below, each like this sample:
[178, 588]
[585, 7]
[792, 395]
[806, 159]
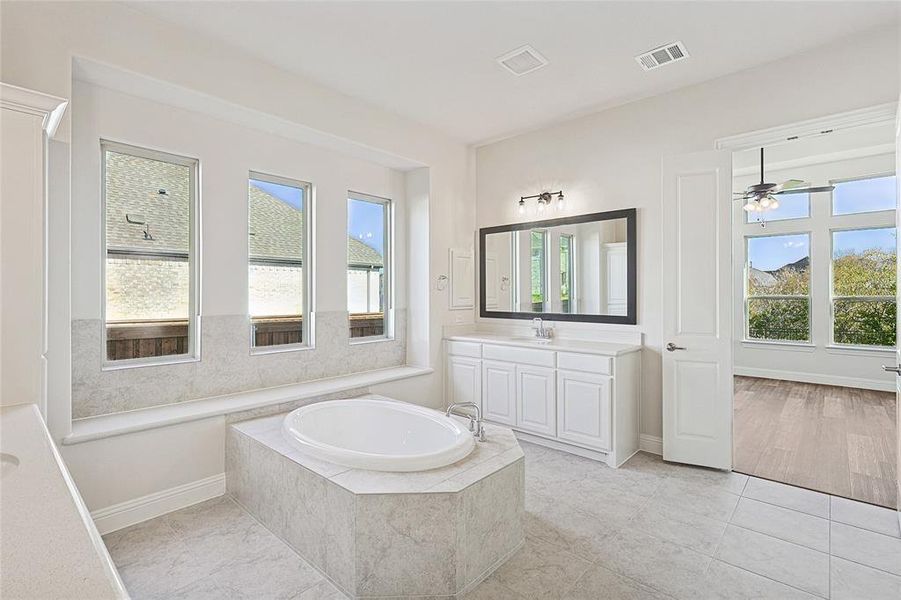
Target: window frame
[545, 261]
[387, 267]
[878, 175]
[194, 259]
[571, 269]
[308, 331]
[748, 297]
[832, 297]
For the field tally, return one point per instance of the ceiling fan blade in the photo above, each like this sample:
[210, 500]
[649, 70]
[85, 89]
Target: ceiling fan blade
[813, 190]
[791, 184]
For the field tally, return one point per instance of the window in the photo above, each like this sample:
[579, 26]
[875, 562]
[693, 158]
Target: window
[368, 266]
[791, 206]
[778, 288]
[538, 268]
[278, 271]
[567, 304]
[864, 195]
[149, 211]
[863, 287]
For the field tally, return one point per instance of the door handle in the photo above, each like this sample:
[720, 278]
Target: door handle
[671, 347]
[896, 369]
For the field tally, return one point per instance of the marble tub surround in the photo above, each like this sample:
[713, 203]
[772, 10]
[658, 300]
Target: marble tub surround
[226, 364]
[429, 533]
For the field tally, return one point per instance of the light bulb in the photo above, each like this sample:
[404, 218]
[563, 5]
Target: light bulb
[765, 202]
[749, 207]
[522, 207]
[774, 204]
[560, 202]
[540, 206]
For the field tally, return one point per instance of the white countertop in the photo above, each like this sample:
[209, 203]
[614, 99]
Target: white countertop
[556, 344]
[49, 547]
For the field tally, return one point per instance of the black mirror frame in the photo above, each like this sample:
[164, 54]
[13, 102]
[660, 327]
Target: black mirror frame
[630, 318]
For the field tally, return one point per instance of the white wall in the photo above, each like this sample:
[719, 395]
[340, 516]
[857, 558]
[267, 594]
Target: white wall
[817, 363]
[39, 41]
[611, 160]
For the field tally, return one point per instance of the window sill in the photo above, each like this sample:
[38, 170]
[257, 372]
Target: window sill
[859, 350]
[156, 361]
[104, 426]
[264, 350]
[798, 346]
[370, 340]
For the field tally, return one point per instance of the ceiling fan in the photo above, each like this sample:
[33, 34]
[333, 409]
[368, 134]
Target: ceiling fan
[762, 196]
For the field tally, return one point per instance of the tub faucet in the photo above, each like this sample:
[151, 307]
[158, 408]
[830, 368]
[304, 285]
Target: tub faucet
[475, 422]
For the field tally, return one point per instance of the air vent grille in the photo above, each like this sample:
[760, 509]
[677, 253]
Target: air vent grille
[663, 55]
[522, 60]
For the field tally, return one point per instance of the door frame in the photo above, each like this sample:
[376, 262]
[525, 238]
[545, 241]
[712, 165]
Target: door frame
[888, 113]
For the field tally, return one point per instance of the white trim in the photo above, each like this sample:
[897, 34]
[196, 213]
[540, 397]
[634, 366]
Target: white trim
[777, 345]
[837, 380]
[540, 440]
[104, 426]
[650, 443]
[118, 516]
[49, 108]
[818, 159]
[882, 113]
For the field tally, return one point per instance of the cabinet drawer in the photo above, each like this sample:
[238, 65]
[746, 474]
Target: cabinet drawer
[590, 363]
[472, 349]
[522, 356]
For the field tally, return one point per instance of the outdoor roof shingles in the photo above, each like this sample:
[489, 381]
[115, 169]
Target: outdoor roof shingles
[132, 190]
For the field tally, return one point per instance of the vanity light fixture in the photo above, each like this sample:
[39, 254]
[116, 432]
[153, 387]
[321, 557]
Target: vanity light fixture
[544, 201]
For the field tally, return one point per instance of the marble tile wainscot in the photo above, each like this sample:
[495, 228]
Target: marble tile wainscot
[428, 533]
[226, 365]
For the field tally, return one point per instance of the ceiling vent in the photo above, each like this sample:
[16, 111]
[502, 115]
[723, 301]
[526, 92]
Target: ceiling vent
[522, 60]
[663, 55]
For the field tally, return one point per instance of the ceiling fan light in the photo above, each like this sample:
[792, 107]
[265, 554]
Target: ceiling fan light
[774, 204]
[765, 202]
[749, 207]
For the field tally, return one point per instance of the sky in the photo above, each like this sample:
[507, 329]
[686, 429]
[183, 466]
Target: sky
[364, 219]
[365, 222]
[768, 253]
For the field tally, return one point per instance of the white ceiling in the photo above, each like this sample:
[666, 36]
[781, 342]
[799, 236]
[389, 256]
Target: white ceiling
[434, 61]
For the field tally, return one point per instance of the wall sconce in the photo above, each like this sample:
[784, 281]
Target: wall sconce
[545, 199]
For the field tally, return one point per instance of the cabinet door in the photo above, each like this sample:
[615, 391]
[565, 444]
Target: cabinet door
[499, 391]
[583, 409]
[464, 380]
[536, 409]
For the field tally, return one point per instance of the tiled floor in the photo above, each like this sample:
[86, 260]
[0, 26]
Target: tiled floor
[649, 530]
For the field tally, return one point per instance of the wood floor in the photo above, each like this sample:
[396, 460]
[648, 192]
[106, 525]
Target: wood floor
[835, 440]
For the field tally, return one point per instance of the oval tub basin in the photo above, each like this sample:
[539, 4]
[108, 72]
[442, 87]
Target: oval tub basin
[377, 434]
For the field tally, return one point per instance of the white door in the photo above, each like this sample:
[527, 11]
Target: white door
[499, 391]
[697, 299]
[464, 380]
[536, 409]
[583, 408]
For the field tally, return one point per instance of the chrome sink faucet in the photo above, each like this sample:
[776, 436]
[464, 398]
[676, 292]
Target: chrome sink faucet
[542, 332]
[475, 422]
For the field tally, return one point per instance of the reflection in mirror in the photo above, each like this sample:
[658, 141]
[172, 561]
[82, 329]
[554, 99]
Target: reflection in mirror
[572, 268]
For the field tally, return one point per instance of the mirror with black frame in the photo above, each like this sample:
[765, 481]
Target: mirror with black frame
[578, 268]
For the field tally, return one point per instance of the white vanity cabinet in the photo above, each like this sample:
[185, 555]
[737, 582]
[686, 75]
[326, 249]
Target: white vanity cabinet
[577, 396]
[499, 392]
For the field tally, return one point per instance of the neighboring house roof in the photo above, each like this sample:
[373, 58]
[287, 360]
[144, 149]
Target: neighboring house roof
[762, 278]
[132, 194]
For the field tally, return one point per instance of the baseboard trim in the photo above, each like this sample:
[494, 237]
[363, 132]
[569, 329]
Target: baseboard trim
[138, 510]
[650, 443]
[837, 380]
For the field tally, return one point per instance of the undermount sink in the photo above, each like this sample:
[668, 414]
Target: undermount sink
[8, 464]
[531, 340]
